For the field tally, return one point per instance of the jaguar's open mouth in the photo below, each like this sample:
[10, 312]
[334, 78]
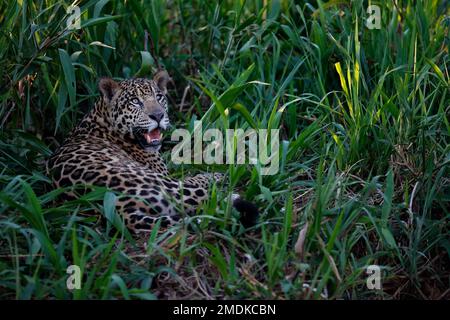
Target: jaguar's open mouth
[148, 139]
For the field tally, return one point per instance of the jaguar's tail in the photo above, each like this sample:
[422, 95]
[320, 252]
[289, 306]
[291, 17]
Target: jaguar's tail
[248, 210]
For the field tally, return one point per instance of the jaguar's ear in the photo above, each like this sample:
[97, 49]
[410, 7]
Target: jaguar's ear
[108, 87]
[162, 78]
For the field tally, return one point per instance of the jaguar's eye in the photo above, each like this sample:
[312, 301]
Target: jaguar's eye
[160, 97]
[135, 101]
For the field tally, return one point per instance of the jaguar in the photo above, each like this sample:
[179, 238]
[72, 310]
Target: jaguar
[117, 145]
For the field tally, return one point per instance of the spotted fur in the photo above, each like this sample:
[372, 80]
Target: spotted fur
[103, 150]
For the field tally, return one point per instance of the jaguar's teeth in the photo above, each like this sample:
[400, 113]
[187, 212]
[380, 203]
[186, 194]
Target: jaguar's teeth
[147, 137]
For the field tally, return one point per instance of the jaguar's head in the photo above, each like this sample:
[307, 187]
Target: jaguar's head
[138, 108]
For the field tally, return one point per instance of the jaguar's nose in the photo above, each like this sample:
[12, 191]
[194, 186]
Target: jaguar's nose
[157, 116]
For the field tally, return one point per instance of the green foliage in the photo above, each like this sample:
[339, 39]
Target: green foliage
[364, 118]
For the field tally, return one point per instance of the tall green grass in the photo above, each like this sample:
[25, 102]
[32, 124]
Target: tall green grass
[364, 176]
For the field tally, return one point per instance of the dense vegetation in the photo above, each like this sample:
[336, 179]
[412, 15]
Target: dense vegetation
[364, 176]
